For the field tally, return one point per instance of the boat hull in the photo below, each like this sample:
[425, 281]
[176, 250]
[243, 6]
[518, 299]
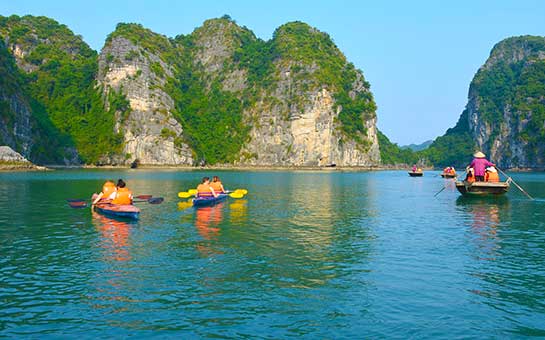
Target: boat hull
[416, 174]
[121, 211]
[208, 201]
[448, 175]
[482, 188]
[117, 210]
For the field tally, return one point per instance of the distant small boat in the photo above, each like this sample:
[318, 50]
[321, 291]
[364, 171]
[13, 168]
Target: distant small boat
[416, 173]
[447, 175]
[482, 188]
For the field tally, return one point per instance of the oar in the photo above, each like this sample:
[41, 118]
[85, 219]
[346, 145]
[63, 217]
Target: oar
[515, 183]
[439, 191]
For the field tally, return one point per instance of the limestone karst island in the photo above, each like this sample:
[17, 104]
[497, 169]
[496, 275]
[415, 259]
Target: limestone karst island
[289, 170]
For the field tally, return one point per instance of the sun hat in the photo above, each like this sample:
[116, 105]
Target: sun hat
[479, 154]
[491, 169]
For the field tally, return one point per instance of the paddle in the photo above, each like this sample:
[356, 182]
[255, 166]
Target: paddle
[154, 200]
[80, 203]
[515, 183]
[239, 193]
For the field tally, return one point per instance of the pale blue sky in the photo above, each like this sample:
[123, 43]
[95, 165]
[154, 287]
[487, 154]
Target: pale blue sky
[419, 56]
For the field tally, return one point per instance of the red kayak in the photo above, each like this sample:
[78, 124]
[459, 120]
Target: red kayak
[116, 210]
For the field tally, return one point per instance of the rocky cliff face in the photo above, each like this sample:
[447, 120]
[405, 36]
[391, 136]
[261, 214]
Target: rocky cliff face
[505, 113]
[298, 120]
[506, 106]
[149, 129]
[15, 112]
[216, 96]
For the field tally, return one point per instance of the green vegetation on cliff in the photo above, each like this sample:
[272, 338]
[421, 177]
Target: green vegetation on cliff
[47, 146]
[62, 70]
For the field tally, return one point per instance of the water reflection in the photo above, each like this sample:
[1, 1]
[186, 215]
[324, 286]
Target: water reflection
[238, 211]
[115, 237]
[207, 220]
[486, 214]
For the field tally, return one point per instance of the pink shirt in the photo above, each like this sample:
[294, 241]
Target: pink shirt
[480, 165]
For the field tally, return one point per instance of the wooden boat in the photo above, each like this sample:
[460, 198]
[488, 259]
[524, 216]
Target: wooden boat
[482, 188]
[208, 201]
[416, 173]
[448, 175]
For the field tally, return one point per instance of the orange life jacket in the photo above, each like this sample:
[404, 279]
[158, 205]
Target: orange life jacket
[203, 190]
[123, 196]
[107, 189]
[216, 186]
[491, 177]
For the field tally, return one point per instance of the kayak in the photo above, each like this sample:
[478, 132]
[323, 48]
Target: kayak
[117, 210]
[207, 201]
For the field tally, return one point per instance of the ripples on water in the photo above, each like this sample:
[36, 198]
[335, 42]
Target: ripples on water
[305, 254]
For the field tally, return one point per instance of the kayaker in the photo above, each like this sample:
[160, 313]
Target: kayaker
[479, 164]
[108, 191]
[123, 195]
[491, 175]
[204, 189]
[216, 185]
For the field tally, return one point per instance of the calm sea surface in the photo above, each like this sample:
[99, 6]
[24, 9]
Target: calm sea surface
[303, 255]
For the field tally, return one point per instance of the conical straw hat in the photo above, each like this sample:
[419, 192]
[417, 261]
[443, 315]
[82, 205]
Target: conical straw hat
[479, 154]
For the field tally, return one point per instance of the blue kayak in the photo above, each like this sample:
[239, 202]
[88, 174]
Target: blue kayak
[207, 201]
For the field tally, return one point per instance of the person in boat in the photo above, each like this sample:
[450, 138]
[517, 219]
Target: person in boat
[204, 189]
[107, 193]
[491, 175]
[414, 168]
[479, 165]
[470, 177]
[217, 186]
[123, 195]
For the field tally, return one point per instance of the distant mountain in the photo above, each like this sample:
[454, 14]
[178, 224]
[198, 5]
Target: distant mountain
[418, 147]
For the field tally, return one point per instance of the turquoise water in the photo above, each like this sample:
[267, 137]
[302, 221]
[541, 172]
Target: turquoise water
[303, 255]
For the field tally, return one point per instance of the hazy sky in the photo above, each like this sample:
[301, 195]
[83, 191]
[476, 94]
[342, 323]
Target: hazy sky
[419, 56]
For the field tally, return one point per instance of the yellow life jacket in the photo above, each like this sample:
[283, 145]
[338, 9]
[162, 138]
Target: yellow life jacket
[123, 196]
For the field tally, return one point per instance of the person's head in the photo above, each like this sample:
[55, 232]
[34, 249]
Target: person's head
[215, 179]
[120, 183]
[205, 180]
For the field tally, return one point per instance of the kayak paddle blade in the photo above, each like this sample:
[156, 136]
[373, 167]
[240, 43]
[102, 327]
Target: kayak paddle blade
[184, 194]
[192, 191]
[77, 204]
[236, 194]
[156, 200]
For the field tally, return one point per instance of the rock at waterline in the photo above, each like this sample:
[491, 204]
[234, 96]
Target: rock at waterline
[10, 159]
